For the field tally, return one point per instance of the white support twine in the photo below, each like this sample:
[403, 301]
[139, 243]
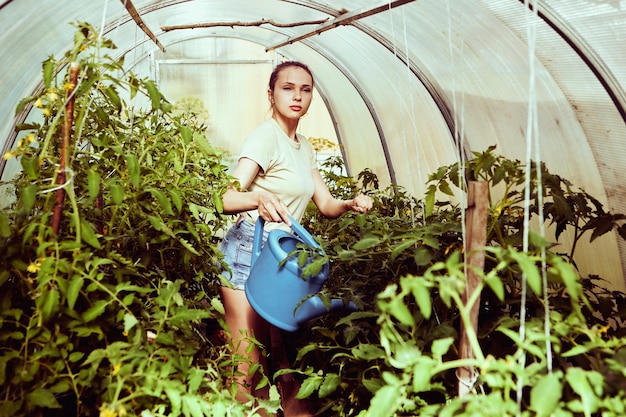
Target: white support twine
[67, 182]
[532, 140]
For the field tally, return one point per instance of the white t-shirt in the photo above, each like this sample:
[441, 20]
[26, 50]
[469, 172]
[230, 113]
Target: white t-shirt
[286, 168]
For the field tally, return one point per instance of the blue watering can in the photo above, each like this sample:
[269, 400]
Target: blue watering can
[276, 291]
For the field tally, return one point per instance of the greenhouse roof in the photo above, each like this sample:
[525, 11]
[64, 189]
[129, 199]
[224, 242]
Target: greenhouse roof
[409, 85]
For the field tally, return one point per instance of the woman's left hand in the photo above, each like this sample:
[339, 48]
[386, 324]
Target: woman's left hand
[361, 203]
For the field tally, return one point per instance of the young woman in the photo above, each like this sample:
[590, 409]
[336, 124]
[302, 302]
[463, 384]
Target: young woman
[277, 177]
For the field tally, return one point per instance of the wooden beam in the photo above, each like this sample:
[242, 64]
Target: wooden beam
[139, 21]
[344, 19]
[476, 239]
[244, 24]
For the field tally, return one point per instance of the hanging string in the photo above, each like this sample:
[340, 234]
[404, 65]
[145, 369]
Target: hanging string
[532, 140]
[544, 270]
[412, 108]
[102, 24]
[458, 110]
[410, 79]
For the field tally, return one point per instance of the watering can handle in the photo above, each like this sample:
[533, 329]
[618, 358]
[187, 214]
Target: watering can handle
[258, 239]
[303, 233]
[295, 226]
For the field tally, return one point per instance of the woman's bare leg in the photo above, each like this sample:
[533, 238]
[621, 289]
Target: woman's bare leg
[287, 385]
[243, 322]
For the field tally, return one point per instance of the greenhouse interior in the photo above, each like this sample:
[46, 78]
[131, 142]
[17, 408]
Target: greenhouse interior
[485, 278]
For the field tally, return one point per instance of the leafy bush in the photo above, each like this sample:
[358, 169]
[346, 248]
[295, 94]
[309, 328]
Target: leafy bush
[108, 252]
[546, 335]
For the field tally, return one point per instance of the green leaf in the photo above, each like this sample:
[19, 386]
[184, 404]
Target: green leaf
[309, 386]
[186, 133]
[22, 104]
[129, 321]
[160, 196]
[385, 402]
[441, 346]
[546, 394]
[578, 380]
[30, 165]
[117, 194]
[28, 196]
[373, 384]
[73, 289]
[196, 376]
[94, 311]
[368, 352]
[93, 183]
[133, 169]
[4, 359]
[191, 406]
[563, 208]
[5, 225]
[102, 115]
[42, 397]
[153, 92]
[48, 303]
[421, 293]
[529, 268]
[496, 285]
[114, 98]
[366, 243]
[329, 385]
[47, 72]
[401, 247]
[422, 374]
[218, 202]
[429, 200]
[173, 394]
[399, 310]
[159, 225]
[444, 187]
[88, 234]
[176, 198]
[422, 256]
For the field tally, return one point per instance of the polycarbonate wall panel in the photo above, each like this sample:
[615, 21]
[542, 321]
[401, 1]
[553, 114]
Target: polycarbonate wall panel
[597, 164]
[468, 68]
[412, 133]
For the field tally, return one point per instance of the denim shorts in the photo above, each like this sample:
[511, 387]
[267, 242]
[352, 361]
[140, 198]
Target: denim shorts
[237, 249]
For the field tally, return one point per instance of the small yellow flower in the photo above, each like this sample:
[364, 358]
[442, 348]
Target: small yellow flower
[20, 143]
[30, 138]
[7, 156]
[46, 112]
[34, 266]
[604, 329]
[116, 368]
[38, 103]
[107, 411]
[69, 86]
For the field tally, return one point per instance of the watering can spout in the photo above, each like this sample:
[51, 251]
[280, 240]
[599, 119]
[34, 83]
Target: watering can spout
[314, 307]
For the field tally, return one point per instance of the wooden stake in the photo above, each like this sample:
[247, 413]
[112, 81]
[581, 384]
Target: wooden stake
[476, 225]
[66, 133]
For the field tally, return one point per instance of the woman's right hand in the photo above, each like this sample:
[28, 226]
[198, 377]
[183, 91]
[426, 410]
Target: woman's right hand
[272, 209]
